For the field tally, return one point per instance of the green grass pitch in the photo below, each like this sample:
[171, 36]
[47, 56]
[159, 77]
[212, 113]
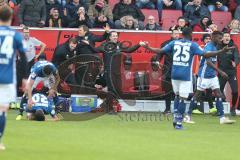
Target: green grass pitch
[110, 138]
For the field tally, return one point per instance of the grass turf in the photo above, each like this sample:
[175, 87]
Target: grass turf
[110, 138]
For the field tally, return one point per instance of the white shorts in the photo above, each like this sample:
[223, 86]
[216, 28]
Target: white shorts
[182, 88]
[204, 83]
[47, 81]
[8, 93]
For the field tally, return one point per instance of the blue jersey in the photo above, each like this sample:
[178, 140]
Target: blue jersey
[206, 71]
[41, 102]
[37, 69]
[10, 41]
[183, 52]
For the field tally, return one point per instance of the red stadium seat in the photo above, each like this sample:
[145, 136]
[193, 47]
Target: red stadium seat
[221, 19]
[112, 3]
[148, 12]
[169, 18]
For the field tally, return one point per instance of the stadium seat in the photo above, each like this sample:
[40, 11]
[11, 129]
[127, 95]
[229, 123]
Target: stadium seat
[169, 18]
[148, 12]
[221, 19]
[112, 3]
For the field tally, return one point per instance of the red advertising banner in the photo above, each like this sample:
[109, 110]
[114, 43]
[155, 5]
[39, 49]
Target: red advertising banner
[141, 57]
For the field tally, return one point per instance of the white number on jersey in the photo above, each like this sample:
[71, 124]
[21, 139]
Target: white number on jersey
[38, 98]
[181, 53]
[7, 46]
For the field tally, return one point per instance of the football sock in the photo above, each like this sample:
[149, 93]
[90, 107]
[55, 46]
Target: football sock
[219, 106]
[2, 123]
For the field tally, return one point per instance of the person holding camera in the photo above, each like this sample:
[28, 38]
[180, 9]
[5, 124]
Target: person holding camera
[195, 11]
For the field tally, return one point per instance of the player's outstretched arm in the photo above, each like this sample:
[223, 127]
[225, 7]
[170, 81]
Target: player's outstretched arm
[215, 53]
[222, 73]
[155, 50]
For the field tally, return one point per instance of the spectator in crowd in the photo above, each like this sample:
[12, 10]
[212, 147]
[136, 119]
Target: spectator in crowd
[55, 19]
[145, 4]
[100, 13]
[168, 4]
[31, 43]
[181, 24]
[217, 5]
[152, 25]
[195, 11]
[228, 63]
[128, 22]
[203, 25]
[82, 19]
[32, 13]
[127, 8]
[237, 13]
[233, 27]
[51, 6]
[63, 2]
[213, 27]
[71, 10]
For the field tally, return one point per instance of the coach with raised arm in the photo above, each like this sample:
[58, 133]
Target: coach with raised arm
[228, 63]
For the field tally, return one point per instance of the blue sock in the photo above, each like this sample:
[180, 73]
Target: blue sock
[181, 107]
[175, 105]
[219, 106]
[2, 123]
[175, 110]
[192, 105]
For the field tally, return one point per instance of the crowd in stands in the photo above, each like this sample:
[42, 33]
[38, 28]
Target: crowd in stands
[122, 14]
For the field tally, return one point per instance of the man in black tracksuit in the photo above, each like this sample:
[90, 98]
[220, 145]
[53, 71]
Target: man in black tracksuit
[167, 84]
[64, 52]
[86, 42]
[228, 63]
[109, 58]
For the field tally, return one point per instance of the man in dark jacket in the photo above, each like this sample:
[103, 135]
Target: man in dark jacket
[64, 52]
[228, 63]
[86, 40]
[194, 12]
[32, 13]
[71, 9]
[111, 68]
[127, 8]
[86, 43]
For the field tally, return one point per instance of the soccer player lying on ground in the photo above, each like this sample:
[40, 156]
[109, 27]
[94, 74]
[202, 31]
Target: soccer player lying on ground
[42, 106]
[10, 42]
[42, 71]
[207, 79]
[183, 51]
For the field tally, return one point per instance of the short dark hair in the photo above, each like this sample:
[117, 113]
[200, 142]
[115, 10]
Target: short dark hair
[181, 17]
[47, 70]
[25, 28]
[205, 36]
[73, 40]
[5, 13]
[217, 33]
[187, 31]
[85, 28]
[39, 115]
